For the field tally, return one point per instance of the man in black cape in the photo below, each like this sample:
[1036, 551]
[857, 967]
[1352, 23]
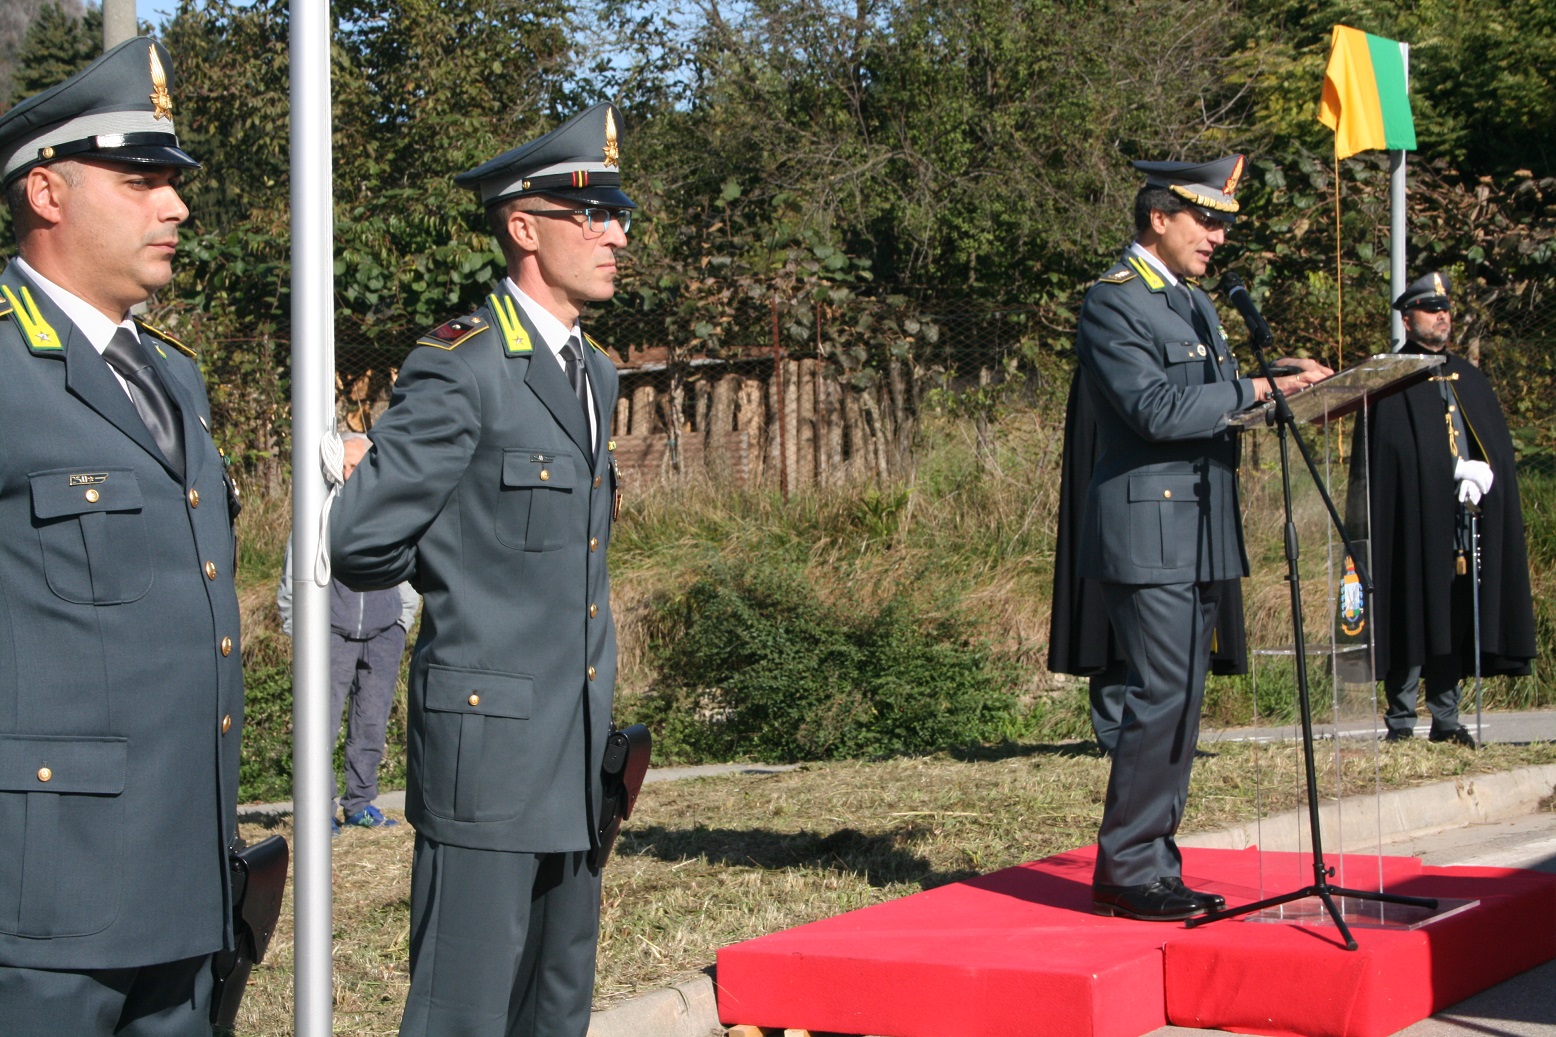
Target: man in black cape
[1080, 639]
[1436, 452]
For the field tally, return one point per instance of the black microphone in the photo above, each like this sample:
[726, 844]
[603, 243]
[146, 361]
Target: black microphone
[1258, 330]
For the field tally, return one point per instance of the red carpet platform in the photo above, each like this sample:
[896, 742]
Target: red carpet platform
[1019, 952]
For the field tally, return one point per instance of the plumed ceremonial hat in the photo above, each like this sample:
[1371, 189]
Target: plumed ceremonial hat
[1431, 288]
[1210, 185]
[579, 160]
[120, 107]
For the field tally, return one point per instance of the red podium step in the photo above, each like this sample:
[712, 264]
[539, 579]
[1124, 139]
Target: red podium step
[1019, 952]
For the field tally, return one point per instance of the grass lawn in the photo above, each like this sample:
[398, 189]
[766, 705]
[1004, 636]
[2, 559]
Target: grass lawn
[706, 862]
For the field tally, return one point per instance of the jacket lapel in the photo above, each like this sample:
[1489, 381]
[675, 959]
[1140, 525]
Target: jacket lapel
[195, 433]
[87, 375]
[546, 380]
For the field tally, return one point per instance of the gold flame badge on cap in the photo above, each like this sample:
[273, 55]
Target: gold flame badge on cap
[161, 100]
[612, 151]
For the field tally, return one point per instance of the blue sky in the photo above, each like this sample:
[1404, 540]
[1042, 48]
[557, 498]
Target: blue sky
[154, 11]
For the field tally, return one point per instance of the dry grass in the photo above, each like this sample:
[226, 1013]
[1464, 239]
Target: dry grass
[710, 861]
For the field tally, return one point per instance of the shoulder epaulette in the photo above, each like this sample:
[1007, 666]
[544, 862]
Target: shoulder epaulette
[455, 332]
[40, 336]
[514, 338]
[590, 339]
[1117, 275]
[161, 336]
[1152, 279]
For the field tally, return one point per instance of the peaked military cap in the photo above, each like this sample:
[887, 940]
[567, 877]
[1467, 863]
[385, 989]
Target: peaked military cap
[1433, 288]
[579, 160]
[120, 107]
[1210, 185]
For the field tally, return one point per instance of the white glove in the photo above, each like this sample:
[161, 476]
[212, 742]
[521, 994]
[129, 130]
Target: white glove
[1473, 473]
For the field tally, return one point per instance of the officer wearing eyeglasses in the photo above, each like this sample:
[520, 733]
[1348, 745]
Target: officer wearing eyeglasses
[491, 488]
[1436, 451]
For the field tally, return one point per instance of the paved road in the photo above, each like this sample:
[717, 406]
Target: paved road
[1527, 726]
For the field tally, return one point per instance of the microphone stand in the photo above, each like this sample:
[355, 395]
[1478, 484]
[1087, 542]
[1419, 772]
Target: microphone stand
[1322, 888]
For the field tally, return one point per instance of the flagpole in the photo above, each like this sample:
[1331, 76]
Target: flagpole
[313, 413]
[1397, 243]
[1398, 232]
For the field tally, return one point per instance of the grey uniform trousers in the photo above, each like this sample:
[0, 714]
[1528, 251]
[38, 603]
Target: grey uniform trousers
[172, 999]
[1402, 684]
[502, 944]
[1165, 632]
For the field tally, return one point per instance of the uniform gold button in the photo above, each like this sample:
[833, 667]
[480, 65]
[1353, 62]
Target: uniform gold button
[226, 646]
[226, 723]
[591, 673]
[545, 474]
[92, 496]
[596, 482]
[474, 700]
[1166, 493]
[44, 774]
[593, 543]
[611, 445]
[210, 570]
[194, 498]
[594, 610]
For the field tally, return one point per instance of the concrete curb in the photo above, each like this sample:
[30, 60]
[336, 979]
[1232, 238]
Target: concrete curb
[690, 1009]
[687, 1009]
[1397, 815]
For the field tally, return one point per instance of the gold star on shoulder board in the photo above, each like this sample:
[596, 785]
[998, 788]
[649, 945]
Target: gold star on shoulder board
[161, 100]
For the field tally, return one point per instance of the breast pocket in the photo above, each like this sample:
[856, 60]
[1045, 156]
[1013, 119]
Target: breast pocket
[1186, 362]
[93, 534]
[60, 863]
[1164, 515]
[477, 724]
[537, 493]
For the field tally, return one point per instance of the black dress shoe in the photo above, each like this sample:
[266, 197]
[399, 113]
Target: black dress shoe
[1209, 901]
[1458, 736]
[1399, 734]
[1157, 902]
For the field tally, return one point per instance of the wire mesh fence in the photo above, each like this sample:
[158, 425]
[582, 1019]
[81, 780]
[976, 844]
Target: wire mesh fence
[769, 411]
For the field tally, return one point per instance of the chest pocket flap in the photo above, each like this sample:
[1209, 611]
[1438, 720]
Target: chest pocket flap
[1185, 352]
[66, 492]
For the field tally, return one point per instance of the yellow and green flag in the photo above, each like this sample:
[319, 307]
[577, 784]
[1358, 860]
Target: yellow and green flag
[1366, 100]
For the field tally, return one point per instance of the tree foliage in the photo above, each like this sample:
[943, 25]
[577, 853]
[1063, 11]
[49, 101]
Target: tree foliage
[846, 166]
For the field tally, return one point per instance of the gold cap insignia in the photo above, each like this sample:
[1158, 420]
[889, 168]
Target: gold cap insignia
[161, 101]
[612, 151]
[1437, 284]
[1230, 187]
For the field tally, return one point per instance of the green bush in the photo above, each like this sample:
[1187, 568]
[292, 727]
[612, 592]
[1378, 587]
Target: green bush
[754, 666]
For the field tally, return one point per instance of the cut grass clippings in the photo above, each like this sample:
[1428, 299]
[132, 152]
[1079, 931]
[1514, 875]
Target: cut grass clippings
[706, 862]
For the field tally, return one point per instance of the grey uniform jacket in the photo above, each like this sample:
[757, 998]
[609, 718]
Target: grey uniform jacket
[1163, 505]
[121, 682]
[482, 491]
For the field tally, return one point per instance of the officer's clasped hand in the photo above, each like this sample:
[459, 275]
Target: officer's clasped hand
[1474, 478]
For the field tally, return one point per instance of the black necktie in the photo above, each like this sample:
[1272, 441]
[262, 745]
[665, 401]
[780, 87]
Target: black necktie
[156, 408]
[1201, 325]
[572, 363]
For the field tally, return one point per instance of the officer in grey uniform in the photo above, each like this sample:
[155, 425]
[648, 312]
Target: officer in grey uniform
[121, 683]
[1161, 523]
[490, 487]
